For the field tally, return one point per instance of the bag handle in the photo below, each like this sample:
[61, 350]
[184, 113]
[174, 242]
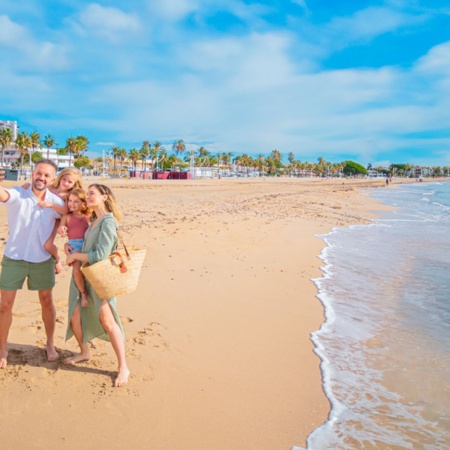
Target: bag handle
[122, 266]
[121, 241]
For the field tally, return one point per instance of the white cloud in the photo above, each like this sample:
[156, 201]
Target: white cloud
[436, 61]
[11, 33]
[108, 22]
[367, 24]
[38, 56]
[173, 9]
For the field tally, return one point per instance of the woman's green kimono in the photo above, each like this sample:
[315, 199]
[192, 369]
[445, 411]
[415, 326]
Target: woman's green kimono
[99, 242]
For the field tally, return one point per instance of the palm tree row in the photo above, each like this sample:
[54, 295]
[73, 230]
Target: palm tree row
[156, 157]
[30, 143]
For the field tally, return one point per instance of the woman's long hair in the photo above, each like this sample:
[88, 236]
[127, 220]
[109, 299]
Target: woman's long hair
[110, 202]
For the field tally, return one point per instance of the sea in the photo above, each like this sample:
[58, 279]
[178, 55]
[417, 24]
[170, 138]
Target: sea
[385, 343]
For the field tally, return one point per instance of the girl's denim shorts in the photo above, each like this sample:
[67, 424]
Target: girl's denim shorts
[76, 244]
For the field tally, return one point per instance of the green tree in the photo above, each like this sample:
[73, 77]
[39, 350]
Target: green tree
[35, 139]
[133, 156]
[144, 153]
[179, 147]
[23, 142]
[49, 142]
[71, 147]
[353, 168]
[6, 139]
[82, 162]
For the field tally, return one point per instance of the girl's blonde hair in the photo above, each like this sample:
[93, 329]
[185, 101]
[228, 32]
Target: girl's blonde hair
[110, 202]
[69, 171]
[81, 195]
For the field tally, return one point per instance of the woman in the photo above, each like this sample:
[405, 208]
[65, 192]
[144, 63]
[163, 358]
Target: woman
[99, 319]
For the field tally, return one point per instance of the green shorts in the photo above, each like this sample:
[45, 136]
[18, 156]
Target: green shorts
[40, 276]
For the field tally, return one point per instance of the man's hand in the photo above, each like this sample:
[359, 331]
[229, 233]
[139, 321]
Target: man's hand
[2, 174]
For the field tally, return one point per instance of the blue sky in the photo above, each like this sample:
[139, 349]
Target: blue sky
[338, 79]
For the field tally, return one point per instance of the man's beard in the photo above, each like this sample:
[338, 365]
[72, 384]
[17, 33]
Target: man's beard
[39, 188]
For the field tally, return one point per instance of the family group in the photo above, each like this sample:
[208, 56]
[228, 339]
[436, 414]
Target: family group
[57, 204]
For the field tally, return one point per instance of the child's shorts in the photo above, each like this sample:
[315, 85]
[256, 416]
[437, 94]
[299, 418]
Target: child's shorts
[76, 244]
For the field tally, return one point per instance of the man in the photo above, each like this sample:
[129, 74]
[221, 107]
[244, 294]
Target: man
[25, 257]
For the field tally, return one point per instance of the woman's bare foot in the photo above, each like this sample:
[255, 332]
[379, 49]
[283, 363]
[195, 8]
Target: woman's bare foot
[79, 357]
[3, 359]
[122, 377]
[52, 354]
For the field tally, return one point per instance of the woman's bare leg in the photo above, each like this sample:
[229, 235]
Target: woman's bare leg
[75, 323]
[116, 338]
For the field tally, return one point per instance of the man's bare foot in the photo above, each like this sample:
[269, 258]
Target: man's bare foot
[79, 357]
[3, 359]
[52, 354]
[122, 378]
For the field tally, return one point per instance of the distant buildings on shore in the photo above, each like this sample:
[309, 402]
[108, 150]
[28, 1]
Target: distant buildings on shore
[12, 153]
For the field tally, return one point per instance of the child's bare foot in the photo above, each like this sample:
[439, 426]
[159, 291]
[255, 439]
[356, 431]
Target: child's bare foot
[84, 300]
[79, 357]
[122, 377]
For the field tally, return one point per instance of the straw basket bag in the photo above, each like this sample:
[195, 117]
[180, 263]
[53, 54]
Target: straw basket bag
[116, 275]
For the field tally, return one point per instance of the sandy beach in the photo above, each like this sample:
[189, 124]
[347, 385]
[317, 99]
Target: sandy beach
[217, 333]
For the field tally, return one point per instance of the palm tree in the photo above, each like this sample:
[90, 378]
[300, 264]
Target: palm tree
[276, 156]
[157, 147]
[133, 156]
[71, 147]
[162, 157]
[6, 139]
[49, 142]
[82, 146]
[115, 152]
[179, 147]
[122, 155]
[35, 139]
[23, 142]
[144, 153]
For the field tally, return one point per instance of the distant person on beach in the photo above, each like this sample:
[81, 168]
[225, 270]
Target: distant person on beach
[73, 225]
[100, 318]
[67, 180]
[25, 257]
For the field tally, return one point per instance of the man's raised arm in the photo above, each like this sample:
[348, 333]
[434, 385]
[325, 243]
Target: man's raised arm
[4, 195]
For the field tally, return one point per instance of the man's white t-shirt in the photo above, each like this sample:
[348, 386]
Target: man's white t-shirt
[29, 224]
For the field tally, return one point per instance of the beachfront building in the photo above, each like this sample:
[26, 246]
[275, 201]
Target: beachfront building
[12, 156]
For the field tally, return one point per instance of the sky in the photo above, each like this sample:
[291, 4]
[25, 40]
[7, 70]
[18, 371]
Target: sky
[367, 81]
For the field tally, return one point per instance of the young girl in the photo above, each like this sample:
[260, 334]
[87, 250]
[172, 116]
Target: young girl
[74, 225]
[67, 180]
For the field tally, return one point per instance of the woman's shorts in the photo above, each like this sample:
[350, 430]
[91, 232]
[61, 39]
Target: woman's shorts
[40, 276]
[76, 244]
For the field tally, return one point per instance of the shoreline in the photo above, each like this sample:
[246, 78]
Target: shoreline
[217, 333]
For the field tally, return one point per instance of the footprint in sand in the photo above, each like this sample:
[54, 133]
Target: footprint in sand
[151, 334]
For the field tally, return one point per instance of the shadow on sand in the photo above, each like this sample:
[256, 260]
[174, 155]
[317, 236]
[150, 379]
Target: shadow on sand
[30, 355]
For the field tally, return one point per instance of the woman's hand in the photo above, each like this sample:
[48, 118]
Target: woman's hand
[67, 249]
[70, 259]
